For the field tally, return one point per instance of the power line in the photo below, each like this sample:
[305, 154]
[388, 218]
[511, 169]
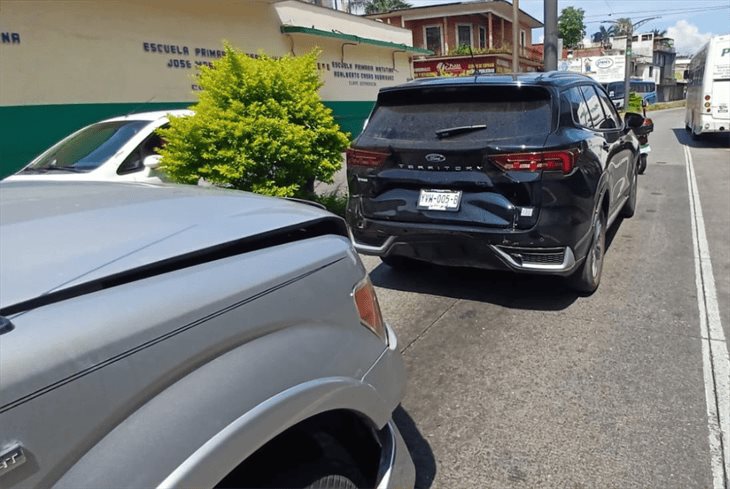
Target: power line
[663, 12]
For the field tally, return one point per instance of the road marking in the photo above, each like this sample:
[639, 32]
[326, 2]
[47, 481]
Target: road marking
[715, 359]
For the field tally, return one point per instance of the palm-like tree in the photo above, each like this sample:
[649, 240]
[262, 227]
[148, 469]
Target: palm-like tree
[604, 35]
[658, 32]
[624, 26]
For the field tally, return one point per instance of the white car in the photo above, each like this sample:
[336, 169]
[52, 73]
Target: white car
[118, 149]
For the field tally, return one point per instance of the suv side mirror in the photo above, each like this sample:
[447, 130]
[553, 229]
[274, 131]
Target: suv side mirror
[633, 120]
[152, 161]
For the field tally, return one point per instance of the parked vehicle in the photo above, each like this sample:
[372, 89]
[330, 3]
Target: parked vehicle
[708, 88]
[118, 149]
[616, 91]
[178, 336]
[515, 172]
[642, 133]
[645, 88]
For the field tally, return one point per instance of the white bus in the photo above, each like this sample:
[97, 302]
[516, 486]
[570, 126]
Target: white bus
[708, 88]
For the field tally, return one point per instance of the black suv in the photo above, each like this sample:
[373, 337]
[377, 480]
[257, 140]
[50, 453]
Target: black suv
[513, 172]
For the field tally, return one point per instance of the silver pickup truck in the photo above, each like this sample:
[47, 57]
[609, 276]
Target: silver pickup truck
[169, 336]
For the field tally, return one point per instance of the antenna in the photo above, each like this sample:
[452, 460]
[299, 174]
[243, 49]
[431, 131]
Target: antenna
[474, 63]
[134, 109]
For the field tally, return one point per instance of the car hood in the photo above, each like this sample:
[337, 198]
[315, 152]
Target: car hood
[56, 235]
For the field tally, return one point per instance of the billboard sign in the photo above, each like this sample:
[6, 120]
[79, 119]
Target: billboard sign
[603, 69]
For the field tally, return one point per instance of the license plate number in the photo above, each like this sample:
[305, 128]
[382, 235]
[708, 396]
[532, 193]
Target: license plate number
[439, 200]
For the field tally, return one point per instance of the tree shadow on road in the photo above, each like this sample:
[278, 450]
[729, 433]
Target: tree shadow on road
[418, 447]
[717, 140]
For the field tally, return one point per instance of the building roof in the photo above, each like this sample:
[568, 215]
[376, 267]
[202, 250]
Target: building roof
[502, 8]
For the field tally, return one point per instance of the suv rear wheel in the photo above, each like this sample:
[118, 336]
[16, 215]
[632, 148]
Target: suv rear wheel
[629, 208]
[587, 278]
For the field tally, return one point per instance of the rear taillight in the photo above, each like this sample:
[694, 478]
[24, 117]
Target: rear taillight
[360, 157]
[647, 122]
[538, 161]
[366, 303]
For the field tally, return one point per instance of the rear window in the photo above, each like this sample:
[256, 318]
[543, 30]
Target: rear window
[421, 114]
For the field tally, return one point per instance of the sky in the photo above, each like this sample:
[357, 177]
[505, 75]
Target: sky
[689, 22]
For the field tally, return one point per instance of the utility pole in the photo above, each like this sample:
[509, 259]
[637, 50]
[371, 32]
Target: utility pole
[628, 53]
[550, 51]
[515, 36]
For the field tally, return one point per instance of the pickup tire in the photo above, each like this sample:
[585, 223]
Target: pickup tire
[332, 482]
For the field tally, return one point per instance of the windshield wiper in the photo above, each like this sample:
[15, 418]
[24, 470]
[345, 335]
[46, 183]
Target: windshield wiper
[453, 131]
[61, 168]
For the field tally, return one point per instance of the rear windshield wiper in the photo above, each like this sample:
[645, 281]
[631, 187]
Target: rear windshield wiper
[453, 131]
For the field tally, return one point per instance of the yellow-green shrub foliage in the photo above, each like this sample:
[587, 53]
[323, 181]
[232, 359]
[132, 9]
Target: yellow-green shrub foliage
[259, 125]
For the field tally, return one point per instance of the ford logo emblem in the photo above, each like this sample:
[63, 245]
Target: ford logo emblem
[604, 62]
[435, 158]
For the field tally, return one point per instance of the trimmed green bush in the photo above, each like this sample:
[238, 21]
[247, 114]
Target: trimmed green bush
[259, 125]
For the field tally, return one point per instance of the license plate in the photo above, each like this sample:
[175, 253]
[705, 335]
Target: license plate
[645, 148]
[439, 200]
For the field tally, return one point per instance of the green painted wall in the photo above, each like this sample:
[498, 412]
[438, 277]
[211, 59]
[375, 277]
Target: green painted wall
[27, 130]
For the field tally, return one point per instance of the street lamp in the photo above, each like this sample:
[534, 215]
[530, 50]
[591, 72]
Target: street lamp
[627, 69]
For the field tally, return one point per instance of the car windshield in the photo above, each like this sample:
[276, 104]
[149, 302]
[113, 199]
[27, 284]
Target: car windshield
[89, 148]
[461, 113]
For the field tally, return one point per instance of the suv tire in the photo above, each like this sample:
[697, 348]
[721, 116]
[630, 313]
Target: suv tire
[629, 208]
[587, 278]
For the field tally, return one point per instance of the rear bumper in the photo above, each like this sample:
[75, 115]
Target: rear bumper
[461, 246]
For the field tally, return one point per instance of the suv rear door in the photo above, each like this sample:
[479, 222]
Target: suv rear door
[446, 137]
[614, 155]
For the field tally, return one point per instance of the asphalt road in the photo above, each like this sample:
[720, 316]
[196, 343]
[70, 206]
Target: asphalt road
[514, 381]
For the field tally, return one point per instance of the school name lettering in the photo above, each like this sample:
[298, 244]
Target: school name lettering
[362, 74]
[179, 62]
[10, 37]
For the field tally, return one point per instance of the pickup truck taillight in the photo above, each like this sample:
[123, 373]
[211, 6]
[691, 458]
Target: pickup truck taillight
[366, 303]
[538, 161]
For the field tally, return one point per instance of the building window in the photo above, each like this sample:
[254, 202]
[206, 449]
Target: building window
[523, 38]
[482, 37]
[463, 35]
[433, 38]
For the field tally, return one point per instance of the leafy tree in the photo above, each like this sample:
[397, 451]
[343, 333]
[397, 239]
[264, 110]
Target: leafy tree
[571, 27]
[381, 6]
[259, 125]
[659, 32]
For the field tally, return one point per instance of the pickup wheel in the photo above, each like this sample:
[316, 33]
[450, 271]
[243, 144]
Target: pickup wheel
[332, 482]
[587, 278]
